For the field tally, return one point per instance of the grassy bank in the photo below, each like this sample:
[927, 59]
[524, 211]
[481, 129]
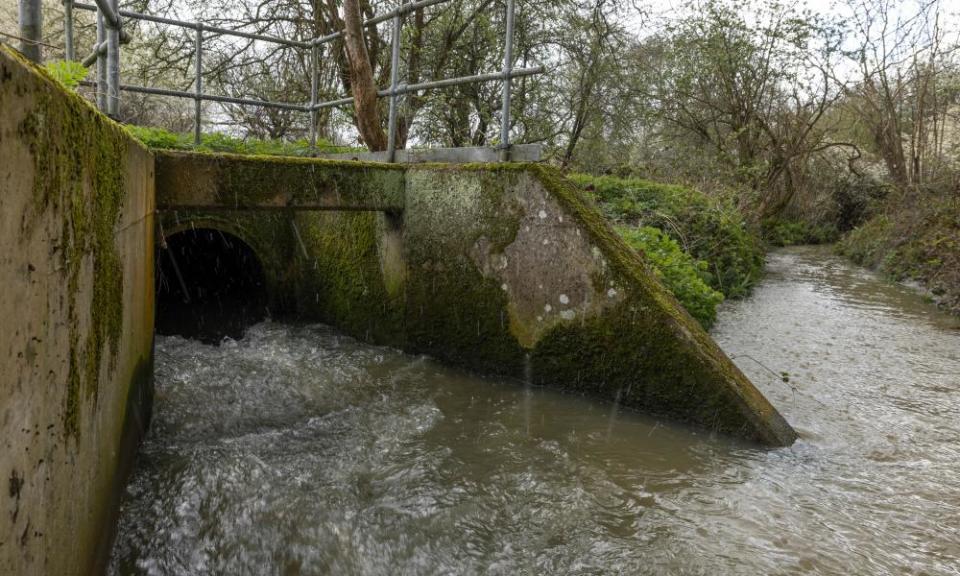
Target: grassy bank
[219, 143]
[916, 238]
[700, 244]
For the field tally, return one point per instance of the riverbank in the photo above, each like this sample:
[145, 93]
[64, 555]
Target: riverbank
[914, 240]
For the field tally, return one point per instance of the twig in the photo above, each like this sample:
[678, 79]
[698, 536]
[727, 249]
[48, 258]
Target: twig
[22, 39]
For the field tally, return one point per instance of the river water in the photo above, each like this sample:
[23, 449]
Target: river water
[297, 450]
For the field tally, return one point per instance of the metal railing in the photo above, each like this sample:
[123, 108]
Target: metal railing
[106, 54]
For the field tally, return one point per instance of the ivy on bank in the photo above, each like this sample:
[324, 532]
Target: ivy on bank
[681, 273]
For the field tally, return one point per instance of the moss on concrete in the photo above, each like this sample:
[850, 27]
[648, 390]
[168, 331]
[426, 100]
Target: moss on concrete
[76, 205]
[341, 280]
[437, 289]
[452, 310]
[79, 158]
[238, 181]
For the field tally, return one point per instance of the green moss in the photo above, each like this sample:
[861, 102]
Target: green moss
[285, 161]
[453, 311]
[340, 278]
[161, 139]
[79, 158]
[437, 298]
[263, 181]
[457, 315]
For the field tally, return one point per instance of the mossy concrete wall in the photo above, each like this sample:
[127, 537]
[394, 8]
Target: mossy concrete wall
[237, 182]
[501, 268]
[76, 321]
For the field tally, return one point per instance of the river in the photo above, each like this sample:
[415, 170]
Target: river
[297, 450]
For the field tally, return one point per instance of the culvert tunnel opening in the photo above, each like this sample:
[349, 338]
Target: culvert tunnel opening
[210, 285]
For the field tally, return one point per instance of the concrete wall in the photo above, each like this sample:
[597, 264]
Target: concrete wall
[76, 232]
[500, 268]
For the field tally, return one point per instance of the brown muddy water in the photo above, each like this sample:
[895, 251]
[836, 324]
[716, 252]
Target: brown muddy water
[297, 450]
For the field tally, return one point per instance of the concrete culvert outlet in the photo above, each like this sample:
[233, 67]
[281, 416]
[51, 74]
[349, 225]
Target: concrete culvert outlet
[210, 284]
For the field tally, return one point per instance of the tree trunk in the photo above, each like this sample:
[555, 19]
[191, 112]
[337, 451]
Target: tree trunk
[361, 78]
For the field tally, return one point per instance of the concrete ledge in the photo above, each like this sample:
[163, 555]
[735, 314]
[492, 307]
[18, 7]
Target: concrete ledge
[485, 154]
[231, 182]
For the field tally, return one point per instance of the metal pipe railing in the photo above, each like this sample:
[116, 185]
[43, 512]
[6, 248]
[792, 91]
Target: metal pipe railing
[447, 82]
[505, 107]
[106, 8]
[198, 84]
[110, 36]
[394, 78]
[98, 50]
[314, 88]
[101, 65]
[214, 98]
[69, 50]
[113, 60]
[30, 28]
[216, 30]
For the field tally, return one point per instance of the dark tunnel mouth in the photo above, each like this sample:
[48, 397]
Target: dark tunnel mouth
[209, 285]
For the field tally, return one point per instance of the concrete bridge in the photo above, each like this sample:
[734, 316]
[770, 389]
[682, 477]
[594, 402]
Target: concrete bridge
[503, 268]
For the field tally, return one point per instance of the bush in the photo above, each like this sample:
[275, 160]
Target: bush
[793, 232]
[217, 142]
[684, 275]
[708, 228]
[867, 244]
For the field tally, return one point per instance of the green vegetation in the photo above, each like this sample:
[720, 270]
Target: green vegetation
[917, 238]
[684, 275]
[159, 138]
[67, 72]
[782, 232]
[708, 228]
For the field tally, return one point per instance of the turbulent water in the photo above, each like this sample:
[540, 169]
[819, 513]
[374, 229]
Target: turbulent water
[297, 450]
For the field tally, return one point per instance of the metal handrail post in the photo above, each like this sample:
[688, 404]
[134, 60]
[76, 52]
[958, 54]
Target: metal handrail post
[198, 84]
[101, 65]
[394, 78]
[70, 51]
[113, 64]
[30, 19]
[314, 87]
[109, 11]
[507, 65]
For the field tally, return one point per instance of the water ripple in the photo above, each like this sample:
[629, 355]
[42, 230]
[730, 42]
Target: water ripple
[297, 450]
